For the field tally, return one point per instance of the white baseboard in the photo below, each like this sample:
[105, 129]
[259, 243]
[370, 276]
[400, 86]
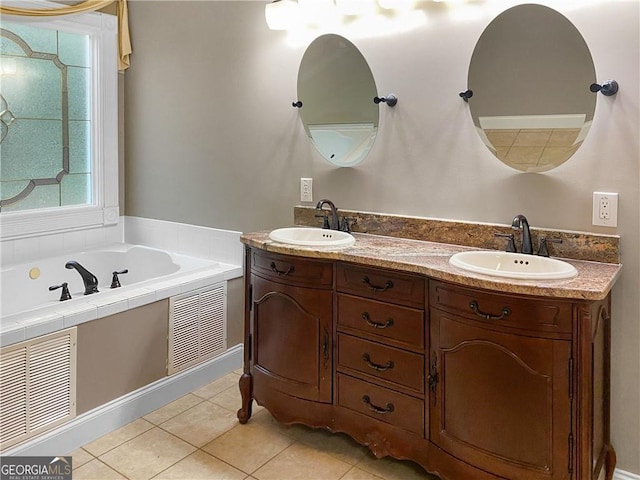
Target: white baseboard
[117, 413]
[622, 475]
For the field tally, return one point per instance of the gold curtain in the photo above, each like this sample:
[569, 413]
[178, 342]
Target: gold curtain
[124, 40]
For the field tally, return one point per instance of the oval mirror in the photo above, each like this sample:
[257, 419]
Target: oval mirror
[336, 88]
[530, 74]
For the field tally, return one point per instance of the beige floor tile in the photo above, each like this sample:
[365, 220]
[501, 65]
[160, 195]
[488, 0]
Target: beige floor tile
[218, 386]
[201, 466]
[117, 437]
[172, 409]
[148, 454]
[229, 399]
[248, 446]
[339, 445]
[264, 418]
[201, 424]
[95, 470]
[358, 474]
[79, 457]
[232, 400]
[391, 469]
[301, 462]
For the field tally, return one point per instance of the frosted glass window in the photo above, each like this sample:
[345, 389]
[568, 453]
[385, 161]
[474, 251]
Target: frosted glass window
[45, 115]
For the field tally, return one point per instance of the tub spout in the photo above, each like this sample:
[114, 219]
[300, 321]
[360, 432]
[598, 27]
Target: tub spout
[89, 279]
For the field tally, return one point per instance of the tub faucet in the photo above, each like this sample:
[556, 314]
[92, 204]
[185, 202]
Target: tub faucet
[89, 279]
[335, 220]
[520, 221]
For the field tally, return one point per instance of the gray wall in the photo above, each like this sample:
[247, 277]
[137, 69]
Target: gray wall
[212, 139]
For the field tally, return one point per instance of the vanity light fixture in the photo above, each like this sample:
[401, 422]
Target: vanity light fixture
[608, 88]
[281, 14]
[356, 7]
[397, 4]
[391, 100]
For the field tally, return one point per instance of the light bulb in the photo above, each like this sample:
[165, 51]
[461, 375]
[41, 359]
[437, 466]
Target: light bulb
[281, 14]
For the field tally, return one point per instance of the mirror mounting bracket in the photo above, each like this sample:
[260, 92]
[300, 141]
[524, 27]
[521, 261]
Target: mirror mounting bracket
[466, 95]
[391, 100]
[608, 88]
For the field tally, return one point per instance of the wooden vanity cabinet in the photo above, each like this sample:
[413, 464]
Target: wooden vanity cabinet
[503, 390]
[380, 345]
[468, 383]
[291, 335]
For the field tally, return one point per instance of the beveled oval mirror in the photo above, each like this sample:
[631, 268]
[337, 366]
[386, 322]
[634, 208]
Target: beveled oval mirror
[336, 88]
[530, 74]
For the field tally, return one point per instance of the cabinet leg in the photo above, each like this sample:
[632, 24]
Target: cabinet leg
[610, 461]
[246, 387]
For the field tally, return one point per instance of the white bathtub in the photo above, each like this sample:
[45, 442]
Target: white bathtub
[29, 309]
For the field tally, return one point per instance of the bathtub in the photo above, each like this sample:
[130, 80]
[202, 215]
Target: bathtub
[29, 309]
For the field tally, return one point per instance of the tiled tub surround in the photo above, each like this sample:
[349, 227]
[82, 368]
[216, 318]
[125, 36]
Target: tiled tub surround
[204, 256]
[126, 327]
[30, 310]
[575, 245]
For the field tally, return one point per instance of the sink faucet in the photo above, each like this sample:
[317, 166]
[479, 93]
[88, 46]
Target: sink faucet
[520, 221]
[335, 220]
[89, 279]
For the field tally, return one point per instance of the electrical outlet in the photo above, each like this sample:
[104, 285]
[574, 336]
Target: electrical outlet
[605, 209]
[306, 189]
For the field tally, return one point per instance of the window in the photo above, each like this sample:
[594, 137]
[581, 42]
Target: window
[58, 120]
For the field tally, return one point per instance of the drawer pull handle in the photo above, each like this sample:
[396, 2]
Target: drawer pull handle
[374, 408]
[367, 318]
[281, 273]
[375, 288]
[375, 366]
[473, 305]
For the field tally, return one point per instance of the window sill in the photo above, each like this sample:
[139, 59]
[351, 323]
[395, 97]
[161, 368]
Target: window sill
[39, 222]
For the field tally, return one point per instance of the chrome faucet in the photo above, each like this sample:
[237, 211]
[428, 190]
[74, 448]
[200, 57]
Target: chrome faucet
[335, 220]
[520, 221]
[89, 279]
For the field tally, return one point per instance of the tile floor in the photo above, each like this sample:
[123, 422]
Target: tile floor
[198, 437]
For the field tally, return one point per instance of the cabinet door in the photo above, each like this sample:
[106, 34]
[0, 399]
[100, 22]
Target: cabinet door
[500, 402]
[292, 339]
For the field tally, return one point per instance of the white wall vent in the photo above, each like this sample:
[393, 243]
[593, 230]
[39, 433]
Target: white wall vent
[197, 327]
[37, 386]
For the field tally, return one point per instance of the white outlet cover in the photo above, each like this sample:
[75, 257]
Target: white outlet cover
[612, 200]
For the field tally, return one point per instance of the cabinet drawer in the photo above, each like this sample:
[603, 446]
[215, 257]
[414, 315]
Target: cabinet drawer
[380, 361]
[384, 320]
[381, 403]
[540, 315]
[299, 271]
[381, 285]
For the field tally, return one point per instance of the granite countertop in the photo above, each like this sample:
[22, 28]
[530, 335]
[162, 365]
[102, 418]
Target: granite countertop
[593, 282]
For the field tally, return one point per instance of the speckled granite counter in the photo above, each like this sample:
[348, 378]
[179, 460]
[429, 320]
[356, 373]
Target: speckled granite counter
[593, 282]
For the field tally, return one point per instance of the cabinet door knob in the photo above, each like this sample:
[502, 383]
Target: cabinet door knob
[374, 408]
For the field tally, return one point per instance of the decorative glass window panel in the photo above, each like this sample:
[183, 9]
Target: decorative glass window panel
[59, 122]
[45, 149]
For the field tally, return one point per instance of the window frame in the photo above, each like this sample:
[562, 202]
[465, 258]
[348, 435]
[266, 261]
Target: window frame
[104, 210]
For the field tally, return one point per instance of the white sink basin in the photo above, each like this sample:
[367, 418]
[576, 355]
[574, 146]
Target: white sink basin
[513, 265]
[312, 237]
